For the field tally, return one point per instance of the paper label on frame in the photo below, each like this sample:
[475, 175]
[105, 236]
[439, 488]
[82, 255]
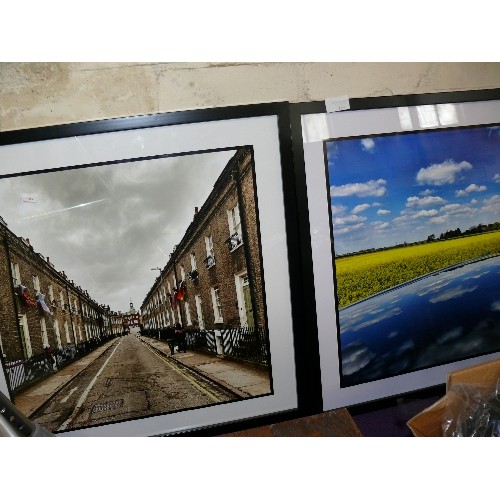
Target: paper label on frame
[339, 103]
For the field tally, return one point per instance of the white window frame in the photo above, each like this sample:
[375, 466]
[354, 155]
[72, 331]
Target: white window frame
[66, 331]
[58, 333]
[36, 284]
[43, 329]
[193, 262]
[51, 293]
[216, 304]
[23, 323]
[199, 312]
[16, 274]
[234, 221]
[209, 247]
[189, 322]
[183, 273]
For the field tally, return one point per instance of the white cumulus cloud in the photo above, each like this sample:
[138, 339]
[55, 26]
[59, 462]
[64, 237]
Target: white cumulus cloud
[415, 201]
[368, 144]
[472, 188]
[440, 174]
[360, 189]
[360, 208]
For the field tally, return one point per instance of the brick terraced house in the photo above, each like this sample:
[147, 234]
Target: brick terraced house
[213, 279]
[42, 311]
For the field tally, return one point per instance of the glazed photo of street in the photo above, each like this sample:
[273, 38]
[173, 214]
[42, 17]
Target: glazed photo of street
[132, 289]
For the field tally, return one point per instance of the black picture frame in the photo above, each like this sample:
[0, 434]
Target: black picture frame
[320, 291]
[260, 128]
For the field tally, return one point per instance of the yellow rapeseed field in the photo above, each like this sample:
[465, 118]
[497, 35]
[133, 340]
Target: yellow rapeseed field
[360, 276]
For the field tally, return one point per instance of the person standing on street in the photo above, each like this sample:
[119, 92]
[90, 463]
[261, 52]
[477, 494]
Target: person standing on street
[180, 335]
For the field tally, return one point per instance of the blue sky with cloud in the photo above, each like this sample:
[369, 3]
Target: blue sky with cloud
[390, 189]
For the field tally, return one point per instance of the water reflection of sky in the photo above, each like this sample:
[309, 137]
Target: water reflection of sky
[442, 318]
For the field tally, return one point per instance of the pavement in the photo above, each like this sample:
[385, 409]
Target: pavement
[243, 379]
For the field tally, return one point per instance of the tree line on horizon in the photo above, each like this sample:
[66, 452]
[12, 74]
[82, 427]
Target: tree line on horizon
[451, 233]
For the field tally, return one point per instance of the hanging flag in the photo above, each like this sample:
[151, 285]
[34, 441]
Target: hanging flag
[181, 291]
[28, 299]
[43, 305]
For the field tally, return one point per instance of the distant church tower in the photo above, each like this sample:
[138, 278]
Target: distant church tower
[132, 310]
[131, 319]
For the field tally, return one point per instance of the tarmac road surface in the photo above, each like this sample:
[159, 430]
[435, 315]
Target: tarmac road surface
[129, 380]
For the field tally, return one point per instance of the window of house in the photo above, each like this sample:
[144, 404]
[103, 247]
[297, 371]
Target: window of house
[188, 314]
[183, 274]
[43, 329]
[217, 305]
[16, 275]
[199, 312]
[61, 299]
[66, 331]
[51, 293]
[235, 238]
[193, 274]
[209, 246]
[25, 336]
[58, 334]
[36, 284]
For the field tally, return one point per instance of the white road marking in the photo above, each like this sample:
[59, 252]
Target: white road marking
[69, 394]
[85, 393]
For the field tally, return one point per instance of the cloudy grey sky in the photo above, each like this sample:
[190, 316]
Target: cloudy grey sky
[107, 226]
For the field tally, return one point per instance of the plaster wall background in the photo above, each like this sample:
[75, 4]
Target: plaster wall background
[41, 94]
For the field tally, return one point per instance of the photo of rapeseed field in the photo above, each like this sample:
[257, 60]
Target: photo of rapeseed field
[415, 221]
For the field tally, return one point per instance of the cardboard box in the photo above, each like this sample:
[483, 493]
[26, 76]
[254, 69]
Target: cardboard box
[428, 423]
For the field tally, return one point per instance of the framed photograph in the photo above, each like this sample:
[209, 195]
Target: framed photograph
[145, 272]
[403, 201]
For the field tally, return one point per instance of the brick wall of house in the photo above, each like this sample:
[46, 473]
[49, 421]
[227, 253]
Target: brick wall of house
[70, 306]
[212, 220]
[8, 319]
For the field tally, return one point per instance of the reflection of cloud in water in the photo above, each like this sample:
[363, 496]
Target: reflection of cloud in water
[381, 316]
[495, 306]
[480, 339]
[405, 346]
[355, 357]
[393, 334]
[476, 276]
[452, 293]
[394, 299]
[449, 335]
[433, 286]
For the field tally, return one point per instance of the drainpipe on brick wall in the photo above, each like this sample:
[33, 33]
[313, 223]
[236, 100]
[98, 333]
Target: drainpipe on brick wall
[246, 241]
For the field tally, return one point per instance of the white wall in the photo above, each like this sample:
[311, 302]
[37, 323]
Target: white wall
[40, 94]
